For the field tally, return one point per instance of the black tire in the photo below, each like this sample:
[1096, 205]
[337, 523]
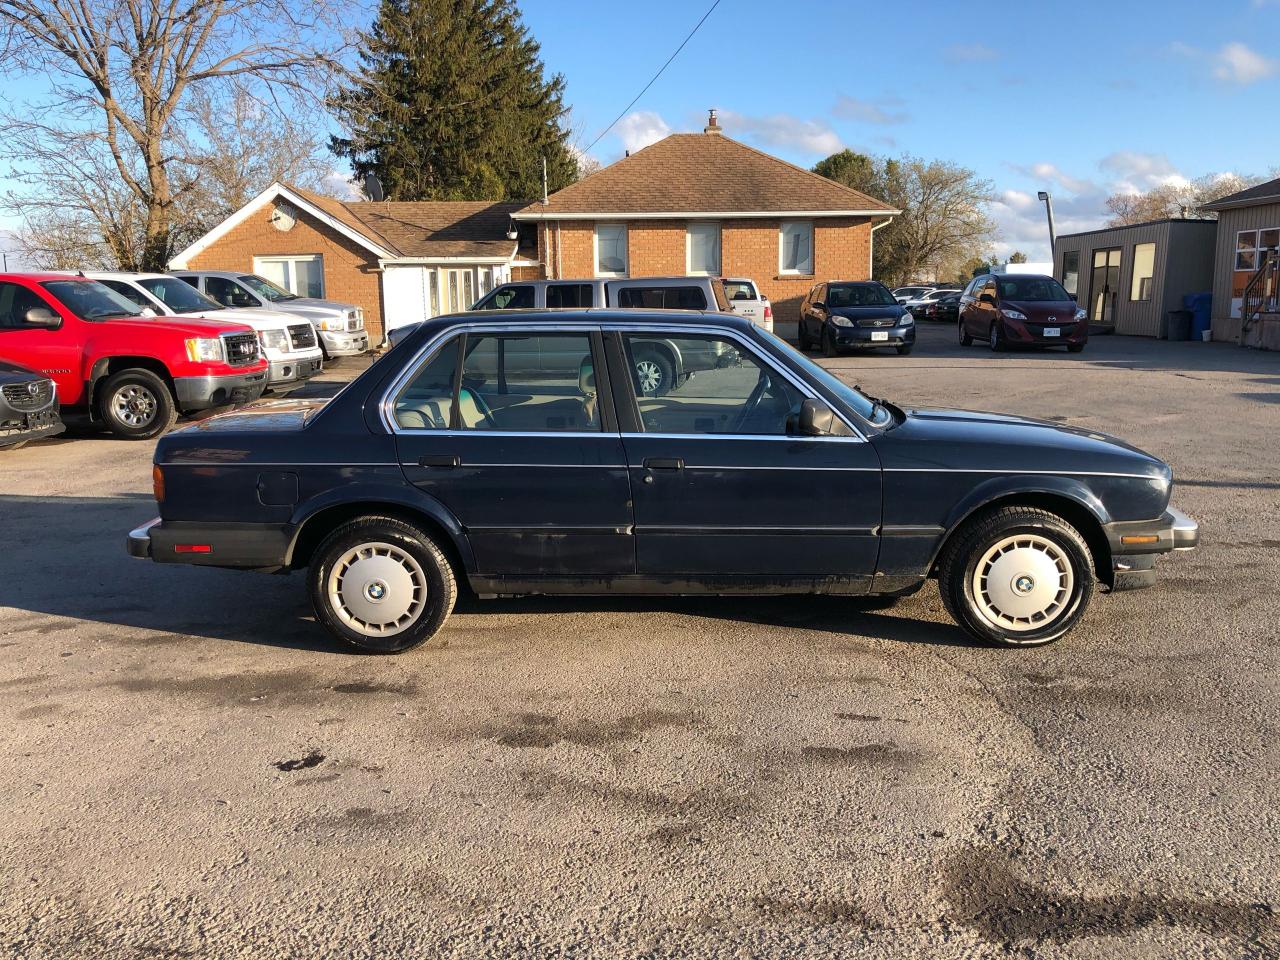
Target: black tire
[965, 339]
[398, 538]
[802, 338]
[1075, 347]
[995, 337]
[829, 348]
[655, 373]
[904, 351]
[980, 616]
[136, 405]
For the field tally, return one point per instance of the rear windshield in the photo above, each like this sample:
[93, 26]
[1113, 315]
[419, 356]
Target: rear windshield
[859, 295]
[739, 290]
[1032, 289]
[90, 300]
[178, 296]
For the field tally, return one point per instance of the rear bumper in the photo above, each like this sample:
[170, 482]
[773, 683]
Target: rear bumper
[342, 344]
[243, 545]
[201, 393]
[1136, 545]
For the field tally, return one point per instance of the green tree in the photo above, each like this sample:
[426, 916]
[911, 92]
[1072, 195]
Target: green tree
[451, 103]
[1017, 257]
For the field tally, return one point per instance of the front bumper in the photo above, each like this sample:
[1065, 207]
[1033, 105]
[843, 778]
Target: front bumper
[1135, 545]
[1016, 331]
[254, 546]
[202, 393]
[289, 370]
[862, 337]
[342, 344]
[17, 426]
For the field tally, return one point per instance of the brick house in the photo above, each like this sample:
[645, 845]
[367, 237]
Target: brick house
[690, 204]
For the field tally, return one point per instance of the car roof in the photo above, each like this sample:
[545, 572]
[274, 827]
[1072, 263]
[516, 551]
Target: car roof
[593, 316]
[213, 273]
[126, 275]
[855, 283]
[42, 275]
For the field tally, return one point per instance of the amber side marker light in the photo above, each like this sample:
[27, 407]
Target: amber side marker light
[1146, 538]
[157, 483]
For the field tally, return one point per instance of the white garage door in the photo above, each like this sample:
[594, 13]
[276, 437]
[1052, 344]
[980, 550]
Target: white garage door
[405, 295]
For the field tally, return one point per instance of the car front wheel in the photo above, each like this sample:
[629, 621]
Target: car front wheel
[655, 374]
[136, 405]
[1016, 577]
[381, 585]
[995, 338]
[829, 348]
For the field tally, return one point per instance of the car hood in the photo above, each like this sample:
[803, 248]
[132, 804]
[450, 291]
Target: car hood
[179, 325]
[973, 440]
[313, 308]
[258, 319]
[891, 311]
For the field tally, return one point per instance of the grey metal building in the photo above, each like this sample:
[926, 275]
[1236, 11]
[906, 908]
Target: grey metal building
[1129, 278]
[1248, 236]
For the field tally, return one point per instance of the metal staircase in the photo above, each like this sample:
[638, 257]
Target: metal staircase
[1262, 292]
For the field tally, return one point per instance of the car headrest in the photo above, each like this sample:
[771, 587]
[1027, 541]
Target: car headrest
[587, 377]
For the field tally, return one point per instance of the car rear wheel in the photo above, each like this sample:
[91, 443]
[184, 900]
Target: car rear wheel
[381, 585]
[1016, 577]
[965, 339]
[136, 405]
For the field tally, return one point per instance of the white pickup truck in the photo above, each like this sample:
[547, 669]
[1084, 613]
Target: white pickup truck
[745, 298]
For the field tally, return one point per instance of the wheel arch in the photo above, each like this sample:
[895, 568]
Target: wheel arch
[1068, 499]
[672, 354]
[105, 367]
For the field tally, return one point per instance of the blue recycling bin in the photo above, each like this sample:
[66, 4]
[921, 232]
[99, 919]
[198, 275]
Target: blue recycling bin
[1201, 307]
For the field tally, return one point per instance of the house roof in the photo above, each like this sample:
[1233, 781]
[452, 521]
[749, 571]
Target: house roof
[706, 174]
[1268, 192]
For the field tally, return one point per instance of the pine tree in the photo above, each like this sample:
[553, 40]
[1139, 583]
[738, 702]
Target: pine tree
[451, 103]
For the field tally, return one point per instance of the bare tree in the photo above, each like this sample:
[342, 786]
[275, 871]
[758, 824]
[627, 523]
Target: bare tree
[1176, 200]
[944, 221]
[124, 78]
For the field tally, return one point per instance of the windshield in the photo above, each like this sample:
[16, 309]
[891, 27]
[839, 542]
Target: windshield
[1032, 289]
[265, 288]
[859, 295]
[858, 401]
[90, 300]
[178, 296]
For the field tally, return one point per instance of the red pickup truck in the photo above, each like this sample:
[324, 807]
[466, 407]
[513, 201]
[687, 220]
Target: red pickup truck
[132, 373]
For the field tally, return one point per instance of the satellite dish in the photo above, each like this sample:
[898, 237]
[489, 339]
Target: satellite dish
[284, 217]
[373, 188]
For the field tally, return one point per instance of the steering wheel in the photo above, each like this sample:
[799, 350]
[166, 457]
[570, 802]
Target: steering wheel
[753, 401]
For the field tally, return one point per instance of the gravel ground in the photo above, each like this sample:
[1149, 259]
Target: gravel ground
[189, 768]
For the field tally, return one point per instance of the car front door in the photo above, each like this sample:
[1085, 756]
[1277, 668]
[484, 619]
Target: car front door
[720, 486]
[56, 353]
[506, 427]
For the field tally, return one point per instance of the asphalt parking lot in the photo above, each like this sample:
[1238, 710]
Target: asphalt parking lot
[190, 768]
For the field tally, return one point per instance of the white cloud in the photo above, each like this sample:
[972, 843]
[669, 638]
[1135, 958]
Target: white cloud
[638, 130]
[1236, 63]
[1051, 176]
[784, 130]
[1133, 171]
[970, 53]
[342, 185]
[869, 111]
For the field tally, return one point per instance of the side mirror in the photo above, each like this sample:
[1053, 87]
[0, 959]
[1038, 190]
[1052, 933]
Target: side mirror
[818, 305]
[813, 419]
[42, 318]
[988, 299]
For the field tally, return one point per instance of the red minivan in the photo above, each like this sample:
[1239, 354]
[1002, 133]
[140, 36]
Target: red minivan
[1021, 310]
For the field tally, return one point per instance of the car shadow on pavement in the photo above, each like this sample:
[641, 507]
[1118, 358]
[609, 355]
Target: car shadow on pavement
[67, 559]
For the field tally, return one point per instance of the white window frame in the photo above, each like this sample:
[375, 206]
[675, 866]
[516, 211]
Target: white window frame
[291, 277]
[782, 238]
[626, 249]
[688, 248]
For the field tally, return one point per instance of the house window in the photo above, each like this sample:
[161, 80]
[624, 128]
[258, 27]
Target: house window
[611, 249]
[795, 241]
[702, 249]
[302, 276]
[1071, 271]
[1144, 267]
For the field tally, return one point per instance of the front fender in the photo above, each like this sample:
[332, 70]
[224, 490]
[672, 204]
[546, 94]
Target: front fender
[998, 488]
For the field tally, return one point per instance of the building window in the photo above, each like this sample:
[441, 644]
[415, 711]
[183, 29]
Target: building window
[1071, 271]
[301, 275]
[702, 249]
[611, 249]
[1144, 268]
[795, 241]
[1252, 245]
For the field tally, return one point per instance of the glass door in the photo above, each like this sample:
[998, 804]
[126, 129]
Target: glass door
[1104, 285]
[457, 289]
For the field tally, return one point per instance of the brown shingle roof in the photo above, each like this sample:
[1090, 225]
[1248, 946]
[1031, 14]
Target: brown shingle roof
[425, 228]
[1268, 192]
[703, 173]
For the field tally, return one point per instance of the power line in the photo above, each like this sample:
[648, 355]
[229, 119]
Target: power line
[655, 76]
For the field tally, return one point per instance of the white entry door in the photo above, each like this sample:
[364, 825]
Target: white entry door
[457, 290]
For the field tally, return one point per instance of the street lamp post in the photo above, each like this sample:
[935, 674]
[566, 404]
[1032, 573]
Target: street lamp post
[1048, 206]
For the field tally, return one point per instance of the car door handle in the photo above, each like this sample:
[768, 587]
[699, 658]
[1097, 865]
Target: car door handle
[664, 463]
[446, 461]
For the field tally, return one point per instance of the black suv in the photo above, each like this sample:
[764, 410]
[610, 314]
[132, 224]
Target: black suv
[28, 406]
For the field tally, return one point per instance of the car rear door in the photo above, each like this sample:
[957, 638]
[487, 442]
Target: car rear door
[506, 426]
[720, 488]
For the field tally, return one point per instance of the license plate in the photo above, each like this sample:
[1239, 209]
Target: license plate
[1052, 331]
[880, 335]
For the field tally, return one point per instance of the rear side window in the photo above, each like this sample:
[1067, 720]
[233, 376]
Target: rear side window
[426, 403]
[566, 295]
[662, 298]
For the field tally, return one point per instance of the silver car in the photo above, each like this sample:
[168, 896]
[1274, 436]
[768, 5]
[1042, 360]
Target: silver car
[341, 325]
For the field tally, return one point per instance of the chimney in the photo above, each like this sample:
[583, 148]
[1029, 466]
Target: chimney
[713, 126]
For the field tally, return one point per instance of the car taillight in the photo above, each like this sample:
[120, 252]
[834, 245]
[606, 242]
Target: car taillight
[768, 312]
[157, 483]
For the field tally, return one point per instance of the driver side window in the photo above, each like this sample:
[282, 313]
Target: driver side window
[229, 293]
[706, 385]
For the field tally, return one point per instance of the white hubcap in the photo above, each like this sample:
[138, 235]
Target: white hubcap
[1023, 583]
[649, 373]
[134, 405]
[377, 589]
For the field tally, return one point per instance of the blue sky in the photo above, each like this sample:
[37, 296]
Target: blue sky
[1083, 99]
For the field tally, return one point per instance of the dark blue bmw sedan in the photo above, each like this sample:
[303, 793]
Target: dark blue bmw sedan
[527, 452]
[861, 314]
